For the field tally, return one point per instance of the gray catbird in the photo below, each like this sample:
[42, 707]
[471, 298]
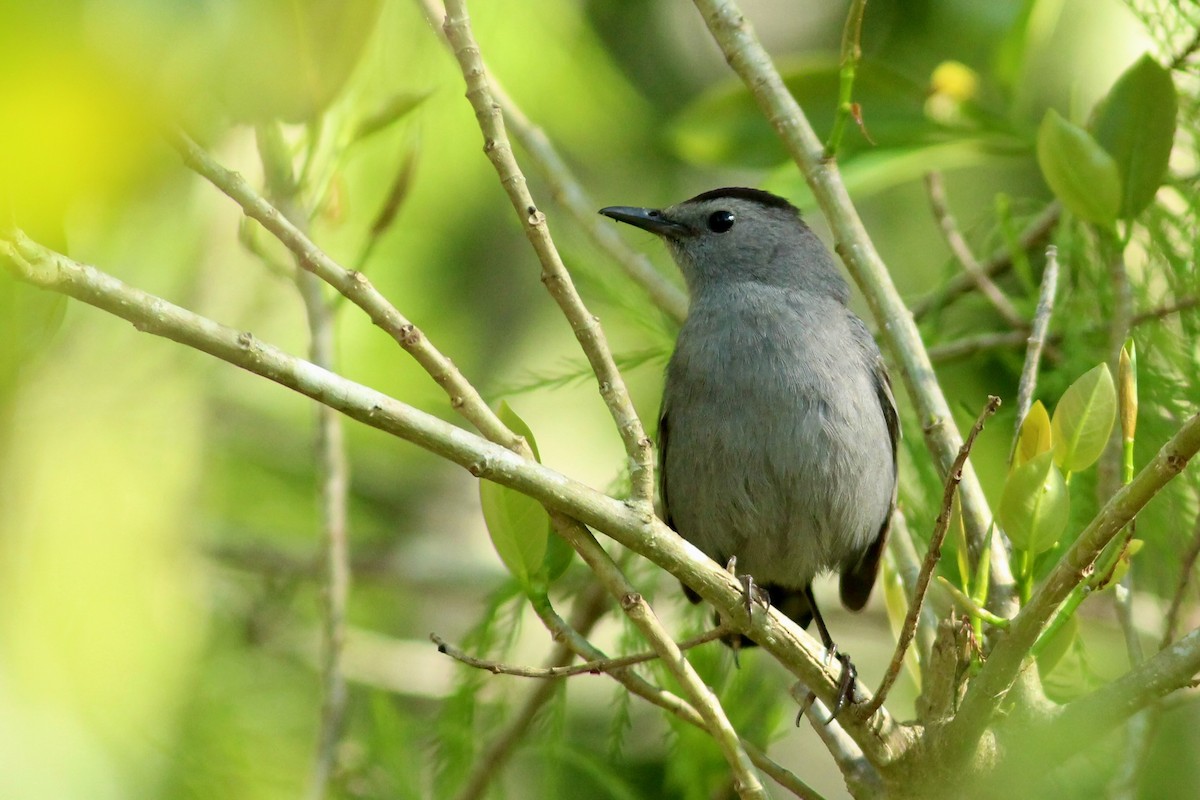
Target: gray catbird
[777, 436]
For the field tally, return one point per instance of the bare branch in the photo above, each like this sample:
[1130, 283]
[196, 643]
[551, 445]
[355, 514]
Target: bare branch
[586, 326]
[862, 779]
[962, 251]
[751, 62]
[931, 558]
[1037, 340]
[587, 668]
[1034, 234]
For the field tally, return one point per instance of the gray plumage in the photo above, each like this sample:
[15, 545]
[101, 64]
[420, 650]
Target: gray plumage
[778, 429]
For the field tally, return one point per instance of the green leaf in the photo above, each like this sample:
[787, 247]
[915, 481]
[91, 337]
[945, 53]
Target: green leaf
[1035, 437]
[1083, 419]
[1058, 645]
[723, 127]
[1079, 171]
[518, 525]
[1135, 123]
[1035, 506]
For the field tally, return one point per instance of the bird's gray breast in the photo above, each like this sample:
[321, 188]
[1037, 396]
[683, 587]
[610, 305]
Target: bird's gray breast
[776, 449]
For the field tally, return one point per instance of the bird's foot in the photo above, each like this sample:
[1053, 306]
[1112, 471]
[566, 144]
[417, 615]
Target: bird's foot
[751, 593]
[845, 688]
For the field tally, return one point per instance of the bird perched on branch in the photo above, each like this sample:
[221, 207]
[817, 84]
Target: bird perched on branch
[778, 431]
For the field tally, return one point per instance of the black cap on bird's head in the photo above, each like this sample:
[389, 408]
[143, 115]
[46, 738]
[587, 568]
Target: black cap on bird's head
[739, 234]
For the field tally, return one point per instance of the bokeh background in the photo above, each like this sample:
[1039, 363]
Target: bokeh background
[160, 568]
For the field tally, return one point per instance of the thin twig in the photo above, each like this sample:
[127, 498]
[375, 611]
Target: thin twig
[962, 251]
[464, 398]
[881, 738]
[1187, 565]
[1188, 50]
[931, 557]
[908, 567]
[1037, 340]
[587, 668]
[586, 326]
[1165, 310]
[1034, 234]
[589, 608]
[970, 606]
[970, 345]
[746, 55]
[566, 190]
[333, 471]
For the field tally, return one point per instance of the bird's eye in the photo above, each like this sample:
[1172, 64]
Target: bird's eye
[720, 221]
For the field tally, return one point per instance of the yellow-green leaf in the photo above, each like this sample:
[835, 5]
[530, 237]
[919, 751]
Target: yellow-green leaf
[518, 525]
[1035, 437]
[1079, 171]
[1035, 506]
[1083, 419]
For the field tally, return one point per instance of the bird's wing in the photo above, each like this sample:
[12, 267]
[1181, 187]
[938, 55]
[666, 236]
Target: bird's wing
[856, 583]
[663, 437]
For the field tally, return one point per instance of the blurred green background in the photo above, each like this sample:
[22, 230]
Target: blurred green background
[159, 528]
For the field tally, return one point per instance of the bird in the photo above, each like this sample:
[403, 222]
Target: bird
[778, 429]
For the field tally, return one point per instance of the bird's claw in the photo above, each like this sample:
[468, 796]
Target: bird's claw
[845, 690]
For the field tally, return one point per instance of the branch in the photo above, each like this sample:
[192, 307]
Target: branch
[968, 346]
[880, 737]
[991, 685]
[1037, 340]
[562, 671]
[745, 780]
[586, 326]
[1034, 234]
[932, 557]
[908, 567]
[750, 61]
[567, 191]
[971, 266]
[667, 701]
[861, 778]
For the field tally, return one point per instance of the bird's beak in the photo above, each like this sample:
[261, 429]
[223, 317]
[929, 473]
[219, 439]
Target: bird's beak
[650, 219]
